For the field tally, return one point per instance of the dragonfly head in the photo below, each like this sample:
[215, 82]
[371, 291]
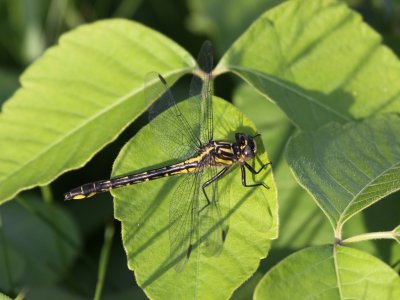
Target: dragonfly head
[246, 147]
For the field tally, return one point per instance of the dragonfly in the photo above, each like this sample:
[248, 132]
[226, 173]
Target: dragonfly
[195, 213]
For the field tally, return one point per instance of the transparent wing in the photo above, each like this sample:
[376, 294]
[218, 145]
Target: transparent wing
[183, 218]
[201, 90]
[169, 126]
[212, 230]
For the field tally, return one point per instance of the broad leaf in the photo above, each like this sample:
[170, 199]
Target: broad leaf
[78, 97]
[348, 168]
[144, 212]
[327, 272]
[318, 61]
[40, 247]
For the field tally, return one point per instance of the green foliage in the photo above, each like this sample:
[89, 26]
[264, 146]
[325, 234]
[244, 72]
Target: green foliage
[284, 53]
[326, 272]
[4, 297]
[84, 104]
[332, 92]
[348, 168]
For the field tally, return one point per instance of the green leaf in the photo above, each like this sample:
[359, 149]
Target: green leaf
[144, 212]
[318, 61]
[347, 168]
[301, 222]
[4, 297]
[327, 272]
[40, 247]
[78, 97]
[12, 264]
[52, 292]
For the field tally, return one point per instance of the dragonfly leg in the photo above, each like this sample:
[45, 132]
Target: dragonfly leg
[208, 182]
[251, 169]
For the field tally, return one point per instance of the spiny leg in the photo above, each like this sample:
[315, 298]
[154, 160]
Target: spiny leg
[244, 182]
[251, 169]
[207, 183]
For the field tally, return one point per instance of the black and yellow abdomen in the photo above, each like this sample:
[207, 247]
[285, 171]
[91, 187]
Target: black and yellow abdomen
[90, 189]
[214, 153]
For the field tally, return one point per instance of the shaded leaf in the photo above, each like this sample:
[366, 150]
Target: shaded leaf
[225, 20]
[8, 83]
[12, 265]
[78, 97]
[144, 212]
[52, 292]
[348, 168]
[327, 272]
[42, 237]
[318, 61]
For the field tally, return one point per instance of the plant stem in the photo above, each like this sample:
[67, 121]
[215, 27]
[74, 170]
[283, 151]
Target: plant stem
[104, 256]
[370, 236]
[47, 194]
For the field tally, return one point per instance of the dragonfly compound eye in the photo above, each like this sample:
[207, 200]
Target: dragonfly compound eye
[248, 152]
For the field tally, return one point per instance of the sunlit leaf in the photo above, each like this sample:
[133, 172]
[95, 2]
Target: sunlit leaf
[348, 168]
[327, 272]
[78, 97]
[318, 61]
[144, 212]
[4, 297]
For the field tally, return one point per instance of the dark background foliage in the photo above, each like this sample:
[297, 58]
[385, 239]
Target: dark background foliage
[28, 28]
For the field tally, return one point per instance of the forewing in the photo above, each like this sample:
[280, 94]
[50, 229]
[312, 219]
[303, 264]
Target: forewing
[201, 90]
[169, 126]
